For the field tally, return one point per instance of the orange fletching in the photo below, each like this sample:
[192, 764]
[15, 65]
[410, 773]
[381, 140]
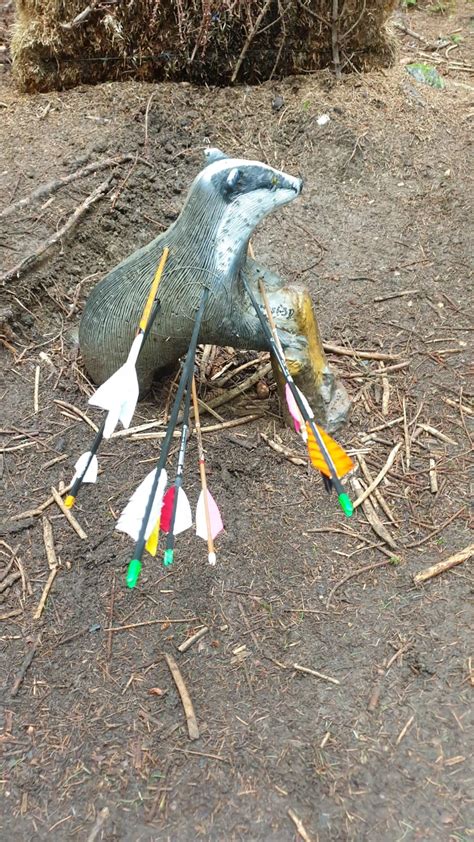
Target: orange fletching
[342, 462]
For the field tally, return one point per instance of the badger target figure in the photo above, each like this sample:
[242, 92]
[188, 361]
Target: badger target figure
[208, 246]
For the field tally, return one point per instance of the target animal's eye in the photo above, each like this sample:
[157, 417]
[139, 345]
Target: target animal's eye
[232, 178]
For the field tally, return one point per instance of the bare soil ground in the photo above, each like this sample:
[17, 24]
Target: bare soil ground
[381, 237]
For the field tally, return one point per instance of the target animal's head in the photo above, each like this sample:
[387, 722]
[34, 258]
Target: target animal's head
[229, 197]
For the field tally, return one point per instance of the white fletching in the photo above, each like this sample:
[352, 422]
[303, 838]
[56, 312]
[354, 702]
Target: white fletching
[92, 469]
[183, 518]
[131, 519]
[119, 394]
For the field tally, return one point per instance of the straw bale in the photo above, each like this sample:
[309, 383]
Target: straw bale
[59, 44]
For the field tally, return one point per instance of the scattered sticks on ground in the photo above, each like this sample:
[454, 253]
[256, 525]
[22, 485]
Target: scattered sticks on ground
[354, 352]
[378, 479]
[32, 259]
[373, 517]
[193, 729]
[442, 566]
[53, 186]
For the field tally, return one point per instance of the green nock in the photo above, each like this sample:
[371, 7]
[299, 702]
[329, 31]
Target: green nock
[345, 504]
[168, 558]
[133, 572]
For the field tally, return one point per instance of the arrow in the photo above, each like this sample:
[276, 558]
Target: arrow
[325, 454]
[130, 521]
[119, 394]
[176, 514]
[208, 517]
[135, 564]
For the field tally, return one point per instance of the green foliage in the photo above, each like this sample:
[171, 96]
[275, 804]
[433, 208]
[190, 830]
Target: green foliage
[426, 73]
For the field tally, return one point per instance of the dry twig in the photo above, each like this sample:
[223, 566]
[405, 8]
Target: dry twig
[68, 515]
[193, 729]
[309, 671]
[183, 647]
[283, 451]
[24, 667]
[373, 518]
[442, 566]
[300, 828]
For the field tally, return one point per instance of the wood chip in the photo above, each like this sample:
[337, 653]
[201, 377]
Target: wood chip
[442, 566]
[433, 476]
[193, 729]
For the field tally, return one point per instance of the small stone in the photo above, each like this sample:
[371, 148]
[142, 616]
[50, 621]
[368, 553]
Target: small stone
[277, 103]
[262, 390]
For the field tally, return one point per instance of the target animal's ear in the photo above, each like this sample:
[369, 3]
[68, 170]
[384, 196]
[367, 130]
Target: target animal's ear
[213, 154]
[232, 178]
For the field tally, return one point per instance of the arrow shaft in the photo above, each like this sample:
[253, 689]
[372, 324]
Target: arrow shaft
[188, 364]
[153, 290]
[202, 468]
[182, 452]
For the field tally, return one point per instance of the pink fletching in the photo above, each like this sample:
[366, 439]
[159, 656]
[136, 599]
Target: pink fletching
[214, 517]
[293, 409]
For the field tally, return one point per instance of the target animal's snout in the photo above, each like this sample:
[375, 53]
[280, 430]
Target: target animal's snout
[290, 182]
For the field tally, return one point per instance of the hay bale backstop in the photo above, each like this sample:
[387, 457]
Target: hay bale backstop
[59, 43]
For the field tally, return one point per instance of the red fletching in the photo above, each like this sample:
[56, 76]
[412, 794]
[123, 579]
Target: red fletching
[167, 510]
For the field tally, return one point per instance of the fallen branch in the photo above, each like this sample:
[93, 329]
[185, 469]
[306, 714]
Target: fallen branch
[53, 186]
[33, 258]
[442, 566]
[193, 729]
